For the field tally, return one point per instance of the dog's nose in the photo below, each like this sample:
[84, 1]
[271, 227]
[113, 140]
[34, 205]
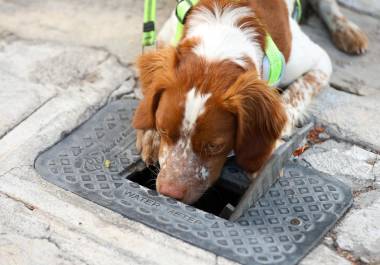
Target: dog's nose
[172, 191]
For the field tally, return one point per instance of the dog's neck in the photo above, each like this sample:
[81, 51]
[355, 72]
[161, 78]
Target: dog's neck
[230, 32]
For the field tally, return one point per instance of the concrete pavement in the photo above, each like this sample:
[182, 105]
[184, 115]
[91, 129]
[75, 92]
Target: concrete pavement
[60, 61]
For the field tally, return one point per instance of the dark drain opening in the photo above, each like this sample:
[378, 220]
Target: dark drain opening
[213, 201]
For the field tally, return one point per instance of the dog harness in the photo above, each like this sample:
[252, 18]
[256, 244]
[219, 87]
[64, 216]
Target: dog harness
[273, 65]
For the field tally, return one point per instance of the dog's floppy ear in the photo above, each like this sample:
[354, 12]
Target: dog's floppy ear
[155, 69]
[260, 119]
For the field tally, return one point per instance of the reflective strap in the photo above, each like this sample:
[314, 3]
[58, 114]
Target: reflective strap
[297, 12]
[182, 9]
[149, 26]
[178, 34]
[274, 62]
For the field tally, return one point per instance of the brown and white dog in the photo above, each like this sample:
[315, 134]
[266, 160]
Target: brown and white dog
[206, 98]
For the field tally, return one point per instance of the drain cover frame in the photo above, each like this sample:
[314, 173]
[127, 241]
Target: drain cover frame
[286, 223]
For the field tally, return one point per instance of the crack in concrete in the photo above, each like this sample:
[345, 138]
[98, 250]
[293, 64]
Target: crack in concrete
[111, 97]
[29, 115]
[13, 168]
[50, 240]
[11, 37]
[347, 255]
[89, 236]
[47, 238]
[377, 160]
[346, 90]
[27, 205]
[117, 57]
[334, 131]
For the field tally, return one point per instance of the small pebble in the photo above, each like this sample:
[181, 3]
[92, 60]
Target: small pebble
[107, 163]
[328, 241]
[324, 136]
[364, 260]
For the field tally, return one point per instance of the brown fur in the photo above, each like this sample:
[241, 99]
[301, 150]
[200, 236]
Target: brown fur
[348, 37]
[243, 114]
[155, 69]
[261, 118]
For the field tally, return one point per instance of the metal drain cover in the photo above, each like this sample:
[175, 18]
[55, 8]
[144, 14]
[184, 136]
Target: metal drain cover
[281, 229]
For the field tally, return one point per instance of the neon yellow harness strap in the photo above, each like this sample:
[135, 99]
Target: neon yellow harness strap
[182, 9]
[273, 63]
[297, 12]
[149, 28]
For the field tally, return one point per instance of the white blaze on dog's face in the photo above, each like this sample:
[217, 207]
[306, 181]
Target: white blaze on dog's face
[191, 152]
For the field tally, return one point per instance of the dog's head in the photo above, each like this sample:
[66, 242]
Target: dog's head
[203, 111]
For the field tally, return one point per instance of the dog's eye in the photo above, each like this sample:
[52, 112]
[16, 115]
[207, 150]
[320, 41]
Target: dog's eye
[214, 148]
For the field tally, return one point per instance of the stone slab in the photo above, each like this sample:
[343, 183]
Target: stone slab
[32, 72]
[369, 7]
[29, 237]
[349, 117]
[352, 164]
[47, 63]
[115, 25]
[359, 232]
[354, 74]
[75, 221]
[18, 99]
[324, 255]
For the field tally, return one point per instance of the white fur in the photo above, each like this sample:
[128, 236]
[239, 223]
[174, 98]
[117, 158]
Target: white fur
[194, 107]
[290, 5]
[305, 56]
[168, 30]
[221, 38]
[163, 156]
[204, 173]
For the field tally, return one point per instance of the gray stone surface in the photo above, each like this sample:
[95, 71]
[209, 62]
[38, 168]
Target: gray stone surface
[370, 7]
[31, 73]
[115, 25]
[67, 58]
[324, 255]
[359, 231]
[125, 89]
[349, 117]
[351, 164]
[376, 171]
[29, 237]
[19, 99]
[49, 63]
[351, 73]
